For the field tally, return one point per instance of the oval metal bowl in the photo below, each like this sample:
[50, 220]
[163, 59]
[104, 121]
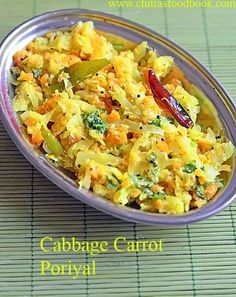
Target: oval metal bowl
[194, 71]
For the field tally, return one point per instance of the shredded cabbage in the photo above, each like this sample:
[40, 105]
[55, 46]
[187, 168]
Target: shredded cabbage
[108, 129]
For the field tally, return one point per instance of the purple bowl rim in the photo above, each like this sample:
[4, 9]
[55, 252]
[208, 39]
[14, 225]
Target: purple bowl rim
[98, 203]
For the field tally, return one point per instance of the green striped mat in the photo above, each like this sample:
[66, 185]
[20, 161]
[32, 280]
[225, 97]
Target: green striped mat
[198, 260]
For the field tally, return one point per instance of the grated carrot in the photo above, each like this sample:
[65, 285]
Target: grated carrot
[158, 204]
[48, 105]
[176, 166]
[44, 79]
[163, 146]
[30, 121]
[19, 57]
[204, 146]
[201, 180]
[156, 188]
[199, 173]
[211, 190]
[114, 116]
[203, 158]
[37, 137]
[118, 136]
[47, 56]
[25, 76]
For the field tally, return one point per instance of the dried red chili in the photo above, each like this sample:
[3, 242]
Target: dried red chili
[167, 101]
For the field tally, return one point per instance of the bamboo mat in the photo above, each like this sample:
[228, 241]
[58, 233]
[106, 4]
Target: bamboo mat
[197, 260]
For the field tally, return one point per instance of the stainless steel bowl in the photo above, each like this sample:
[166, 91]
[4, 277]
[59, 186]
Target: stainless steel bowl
[204, 82]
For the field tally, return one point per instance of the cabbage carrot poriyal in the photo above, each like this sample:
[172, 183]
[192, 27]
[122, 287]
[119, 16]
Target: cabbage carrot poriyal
[108, 113]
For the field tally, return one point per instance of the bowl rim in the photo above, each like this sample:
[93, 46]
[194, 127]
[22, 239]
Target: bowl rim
[89, 198]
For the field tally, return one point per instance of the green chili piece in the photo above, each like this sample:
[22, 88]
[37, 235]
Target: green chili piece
[56, 85]
[52, 144]
[118, 46]
[78, 72]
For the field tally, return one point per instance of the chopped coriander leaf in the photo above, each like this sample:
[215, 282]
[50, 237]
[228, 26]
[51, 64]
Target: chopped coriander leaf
[159, 120]
[93, 121]
[148, 192]
[220, 182]
[36, 72]
[153, 160]
[190, 167]
[145, 185]
[141, 182]
[154, 170]
[111, 185]
[200, 192]
[156, 121]
[113, 182]
[158, 196]
[116, 178]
